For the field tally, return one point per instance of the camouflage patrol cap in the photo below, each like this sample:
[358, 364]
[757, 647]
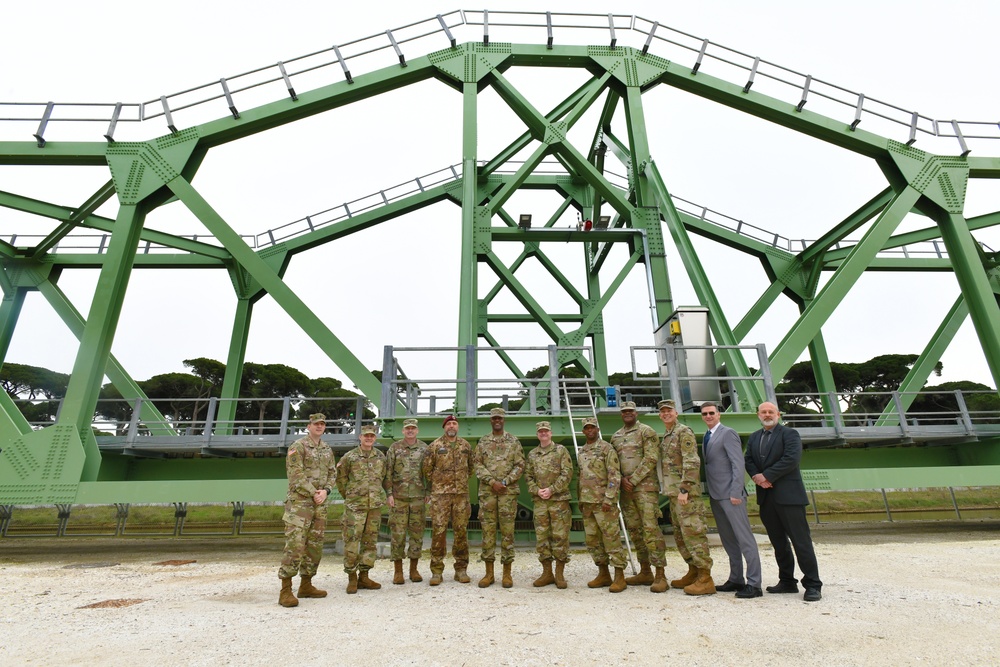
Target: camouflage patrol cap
[498, 412]
[590, 421]
[368, 429]
[543, 426]
[627, 405]
[317, 417]
[669, 403]
[409, 422]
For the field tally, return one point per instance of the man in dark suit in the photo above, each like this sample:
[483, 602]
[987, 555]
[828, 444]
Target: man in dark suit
[772, 461]
[725, 481]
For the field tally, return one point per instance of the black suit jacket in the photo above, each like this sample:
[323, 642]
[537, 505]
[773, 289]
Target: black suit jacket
[780, 466]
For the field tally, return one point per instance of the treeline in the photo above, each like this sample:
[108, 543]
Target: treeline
[183, 398]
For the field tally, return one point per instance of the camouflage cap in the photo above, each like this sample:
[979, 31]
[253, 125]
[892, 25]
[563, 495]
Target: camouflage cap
[543, 426]
[498, 412]
[369, 429]
[669, 403]
[317, 417]
[449, 418]
[409, 422]
[627, 405]
[590, 421]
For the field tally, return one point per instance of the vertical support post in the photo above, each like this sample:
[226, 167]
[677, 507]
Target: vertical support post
[954, 502]
[234, 363]
[885, 499]
[470, 381]
[555, 398]
[468, 303]
[387, 407]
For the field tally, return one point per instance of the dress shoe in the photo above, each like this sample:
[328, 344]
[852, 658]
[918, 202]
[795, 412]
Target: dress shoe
[783, 587]
[729, 587]
[812, 595]
[749, 591]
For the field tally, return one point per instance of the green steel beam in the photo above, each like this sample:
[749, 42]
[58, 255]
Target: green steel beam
[234, 362]
[10, 313]
[475, 236]
[269, 279]
[821, 308]
[922, 368]
[86, 209]
[975, 284]
[757, 310]
[851, 223]
[825, 383]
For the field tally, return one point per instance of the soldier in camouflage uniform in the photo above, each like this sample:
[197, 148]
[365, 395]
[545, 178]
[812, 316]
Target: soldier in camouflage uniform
[362, 479]
[447, 467]
[548, 474]
[638, 446]
[499, 463]
[407, 499]
[310, 469]
[600, 478]
[680, 481]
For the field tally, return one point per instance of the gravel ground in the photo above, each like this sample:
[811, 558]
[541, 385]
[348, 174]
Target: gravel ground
[893, 594]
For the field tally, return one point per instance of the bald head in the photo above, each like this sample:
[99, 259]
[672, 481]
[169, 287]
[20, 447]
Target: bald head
[768, 415]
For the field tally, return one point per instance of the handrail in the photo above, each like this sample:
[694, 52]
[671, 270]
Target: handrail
[98, 243]
[435, 33]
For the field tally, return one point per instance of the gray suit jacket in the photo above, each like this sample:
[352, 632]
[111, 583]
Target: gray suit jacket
[724, 465]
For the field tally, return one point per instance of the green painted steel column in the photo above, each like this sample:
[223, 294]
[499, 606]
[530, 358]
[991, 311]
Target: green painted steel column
[234, 365]
[269, 280]
[95, 344]
[922, 368]
[12, 422]
[843, 279]
[975, 284]
[821, 370]
[468, 303]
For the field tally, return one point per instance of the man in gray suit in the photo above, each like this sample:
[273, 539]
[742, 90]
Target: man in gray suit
[772, 460]
[722, 453]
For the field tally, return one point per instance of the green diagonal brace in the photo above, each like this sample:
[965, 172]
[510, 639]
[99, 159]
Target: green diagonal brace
[279, 291]
[823, 306]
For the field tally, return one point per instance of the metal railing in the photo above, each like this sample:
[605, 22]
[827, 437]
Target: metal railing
[285, 78]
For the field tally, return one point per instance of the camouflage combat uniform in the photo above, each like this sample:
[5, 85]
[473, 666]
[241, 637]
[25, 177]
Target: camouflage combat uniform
[637, 450]
[447, 466]
[409, 516]
[550, 467]
[310, 467]
[362, 480]
[500, 459]
[681, 466]
[600, 478]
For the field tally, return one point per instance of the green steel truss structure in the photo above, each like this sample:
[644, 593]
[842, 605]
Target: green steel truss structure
[62, 463]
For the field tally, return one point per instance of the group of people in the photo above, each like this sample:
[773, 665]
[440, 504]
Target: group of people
[627, 476]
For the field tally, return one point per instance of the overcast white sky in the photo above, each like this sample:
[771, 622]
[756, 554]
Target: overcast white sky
[397, 284]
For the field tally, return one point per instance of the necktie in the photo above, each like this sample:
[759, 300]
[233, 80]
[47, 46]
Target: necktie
[765, 443]
[708, 435]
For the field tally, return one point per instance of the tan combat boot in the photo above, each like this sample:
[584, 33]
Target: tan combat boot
[286, 598]
[507, 581]
[436, 578]
[643, 578]
[352, 583]
[461, 574]
[414, 575]
[620, 582]
[397, 575]
[560, 579]
[487, 579]
[687, 579]
[307, 590]
[703, 585]
[660, 584]
[602, 579]
[366, 583]
[546, 577]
